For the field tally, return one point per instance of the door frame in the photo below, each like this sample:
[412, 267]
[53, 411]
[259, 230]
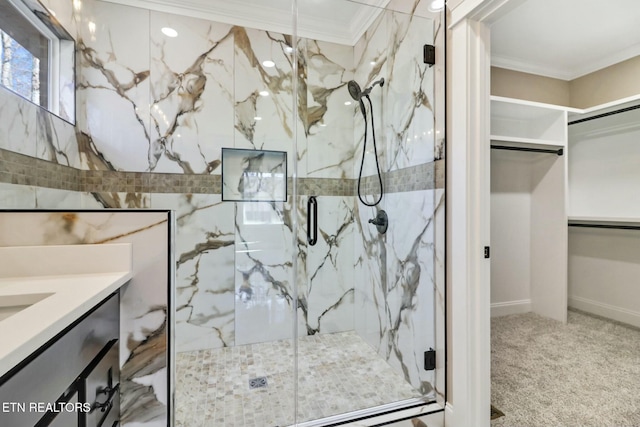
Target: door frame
[468, 207]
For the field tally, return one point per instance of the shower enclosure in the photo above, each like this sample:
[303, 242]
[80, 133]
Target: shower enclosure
[294, 309]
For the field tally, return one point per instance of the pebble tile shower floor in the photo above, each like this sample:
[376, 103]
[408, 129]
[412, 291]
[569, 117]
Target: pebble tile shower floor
[338, 373]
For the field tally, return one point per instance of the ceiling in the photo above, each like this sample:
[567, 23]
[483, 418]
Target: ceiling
[566, 39]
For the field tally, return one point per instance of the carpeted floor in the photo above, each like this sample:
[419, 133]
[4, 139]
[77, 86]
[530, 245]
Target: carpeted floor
[544, 373]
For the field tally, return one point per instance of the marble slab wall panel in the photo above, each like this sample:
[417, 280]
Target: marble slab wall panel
[117, 200]
[396, 314]
[264, 121]
[370, 254]
[328, 121]
[370, 61]
[51, 198]
[56, 140]
[192, 102]
[264, 278]
[144, 300]
[421, 8]
[205, 256]
[409, 93]
[330, 283]
[18, 130]
[113, 88]
[14, 196]
[440, 294]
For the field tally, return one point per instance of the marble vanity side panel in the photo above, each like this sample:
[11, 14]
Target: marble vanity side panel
[329, 122]
[113, 88]
[330, 292]
[18, 129]
[144, 300]
[192, 103]
[370, 62]
[264, 122]
[409, 93]
[264, 282]
[205, 261]
[13, 196]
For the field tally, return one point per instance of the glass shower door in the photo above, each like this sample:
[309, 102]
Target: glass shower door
[371, 313]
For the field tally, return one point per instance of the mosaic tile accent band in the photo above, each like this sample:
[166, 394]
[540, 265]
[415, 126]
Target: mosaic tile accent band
[16, 168]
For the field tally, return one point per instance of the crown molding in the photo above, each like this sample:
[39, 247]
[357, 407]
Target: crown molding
[270, 18]
[517, 64]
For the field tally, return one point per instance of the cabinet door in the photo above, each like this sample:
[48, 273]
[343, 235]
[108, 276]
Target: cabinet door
[102, 388]
[67, 419]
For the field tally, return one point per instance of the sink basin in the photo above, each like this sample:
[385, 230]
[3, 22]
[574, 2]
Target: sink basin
[12, 304]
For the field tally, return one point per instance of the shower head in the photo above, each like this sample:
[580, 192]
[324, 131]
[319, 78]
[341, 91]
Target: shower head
[354, 90]
[356, 94]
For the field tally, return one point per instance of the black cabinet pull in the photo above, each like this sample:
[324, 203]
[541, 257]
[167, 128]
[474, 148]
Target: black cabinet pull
[312, 217]
[108, 403]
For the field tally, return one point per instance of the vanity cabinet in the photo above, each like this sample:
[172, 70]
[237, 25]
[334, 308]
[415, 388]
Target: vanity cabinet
[73, 380]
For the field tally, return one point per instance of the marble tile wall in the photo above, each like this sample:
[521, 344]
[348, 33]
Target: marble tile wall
[144, 300]
[399, 293]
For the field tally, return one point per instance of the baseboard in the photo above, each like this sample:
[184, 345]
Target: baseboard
[612, 312]
[510, 307]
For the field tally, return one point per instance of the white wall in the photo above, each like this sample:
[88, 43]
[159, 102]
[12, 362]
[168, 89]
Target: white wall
[528, 234]
[603, 166]
[604, 267]
[510, 232]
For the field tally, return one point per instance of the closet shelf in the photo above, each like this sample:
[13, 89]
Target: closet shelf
[604, 221]
[527, 122]
[512, 141]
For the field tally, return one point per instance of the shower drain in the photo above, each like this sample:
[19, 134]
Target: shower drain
[259, 382]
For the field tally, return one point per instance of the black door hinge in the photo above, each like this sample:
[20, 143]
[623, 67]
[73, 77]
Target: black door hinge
[487, 252]
[429, 54]
[430, 360]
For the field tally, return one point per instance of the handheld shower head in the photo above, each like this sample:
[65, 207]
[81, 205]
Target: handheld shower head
[356, 94]
[354, 90]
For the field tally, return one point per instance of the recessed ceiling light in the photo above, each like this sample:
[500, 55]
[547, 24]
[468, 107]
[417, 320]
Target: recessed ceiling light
[268, 63]
[264, 93]
[436, 5]
[169, 32]
[372, 62]
[347, 103]
[257, 118]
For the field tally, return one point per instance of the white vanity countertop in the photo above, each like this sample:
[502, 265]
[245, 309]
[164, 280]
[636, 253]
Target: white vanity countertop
[81, 277]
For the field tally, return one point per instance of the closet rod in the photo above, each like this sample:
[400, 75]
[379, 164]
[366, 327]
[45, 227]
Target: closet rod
[618, 227]
[558, 151]
[610, 113]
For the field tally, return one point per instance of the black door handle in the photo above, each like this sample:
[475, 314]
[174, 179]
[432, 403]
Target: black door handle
[312, 217]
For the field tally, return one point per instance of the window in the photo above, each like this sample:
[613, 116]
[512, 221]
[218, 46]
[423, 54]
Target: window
[37, 57]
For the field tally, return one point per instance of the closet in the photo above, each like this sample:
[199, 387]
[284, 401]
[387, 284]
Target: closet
[604, 211]
[528, 208]
[565, 209]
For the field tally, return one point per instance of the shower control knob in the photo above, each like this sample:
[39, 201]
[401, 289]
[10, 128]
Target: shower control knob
[381, 221]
